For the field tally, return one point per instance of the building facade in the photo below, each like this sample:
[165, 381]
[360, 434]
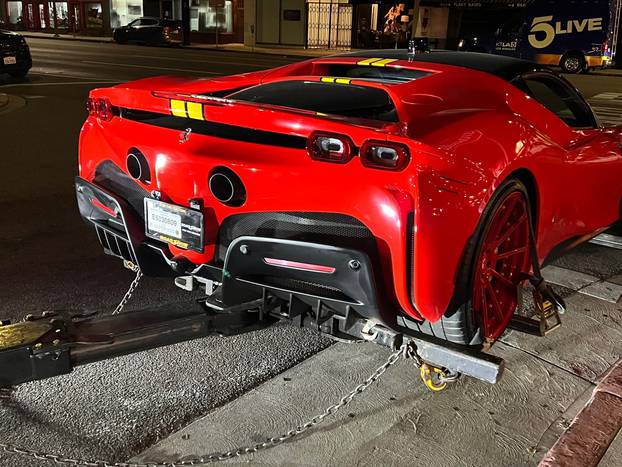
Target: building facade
[209, 19]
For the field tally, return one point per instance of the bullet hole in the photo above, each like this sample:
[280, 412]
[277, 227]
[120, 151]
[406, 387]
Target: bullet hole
[392, 398]
[351, 415]
[185, 436]
[287, 379]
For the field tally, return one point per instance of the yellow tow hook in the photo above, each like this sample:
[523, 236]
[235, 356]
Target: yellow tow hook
[435, 379]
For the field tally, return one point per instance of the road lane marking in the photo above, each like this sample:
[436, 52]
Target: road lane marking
[608, 96]
[185, 70]
[235, 61]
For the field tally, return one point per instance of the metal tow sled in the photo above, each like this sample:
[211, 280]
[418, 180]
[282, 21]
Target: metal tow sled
[54, 343]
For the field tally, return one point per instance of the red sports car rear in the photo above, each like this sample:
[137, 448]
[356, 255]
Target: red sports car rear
[385, 188]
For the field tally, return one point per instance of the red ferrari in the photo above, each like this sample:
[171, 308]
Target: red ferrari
[371, 187]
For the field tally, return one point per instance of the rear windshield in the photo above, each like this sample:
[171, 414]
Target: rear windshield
[336, 99]
[388, 74]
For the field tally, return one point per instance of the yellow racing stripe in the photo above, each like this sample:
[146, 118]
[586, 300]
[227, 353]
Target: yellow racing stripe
[178, 108]
[195, 110]
[330, 79]
[368, 61]
[384, 62]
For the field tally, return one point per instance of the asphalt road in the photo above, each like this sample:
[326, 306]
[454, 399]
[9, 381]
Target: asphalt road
[51, 260]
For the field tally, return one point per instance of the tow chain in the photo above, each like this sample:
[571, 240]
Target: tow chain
[436, 379]
[130, 291]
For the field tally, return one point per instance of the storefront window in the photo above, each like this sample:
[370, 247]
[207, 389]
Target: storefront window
[94, 17]
[124, 12]
[62, 14]
[15, 16]
[42, 22]
[205, 18]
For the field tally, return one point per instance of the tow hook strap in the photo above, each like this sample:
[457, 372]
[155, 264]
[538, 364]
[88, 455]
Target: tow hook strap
[549, 305]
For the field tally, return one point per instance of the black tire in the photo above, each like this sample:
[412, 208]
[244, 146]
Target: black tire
[119, 39]
[459, 324]
[573, 62]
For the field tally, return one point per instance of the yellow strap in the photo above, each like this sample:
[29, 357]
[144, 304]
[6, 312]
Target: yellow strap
[178, 108]
[368, 61]
[327, 79]
[342, 81]
[195, 110]
[384, 62]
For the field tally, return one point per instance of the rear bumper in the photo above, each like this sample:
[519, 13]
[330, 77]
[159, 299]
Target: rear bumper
[341, 279]
[598, 61]
[22, 57]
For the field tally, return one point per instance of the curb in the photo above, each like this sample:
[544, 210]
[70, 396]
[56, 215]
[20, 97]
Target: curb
[211, 47]
[61, 38]
[594, 428]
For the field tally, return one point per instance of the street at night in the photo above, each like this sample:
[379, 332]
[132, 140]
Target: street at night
[217, 393]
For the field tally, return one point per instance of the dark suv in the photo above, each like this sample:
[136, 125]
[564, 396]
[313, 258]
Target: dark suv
[14, 54]
[154, 31]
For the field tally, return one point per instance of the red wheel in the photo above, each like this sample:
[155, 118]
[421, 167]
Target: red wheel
[487, 286]
[502, 258]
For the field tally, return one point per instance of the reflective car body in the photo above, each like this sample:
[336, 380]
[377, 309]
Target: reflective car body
[153, 31]
[467, 122]
[14, 54]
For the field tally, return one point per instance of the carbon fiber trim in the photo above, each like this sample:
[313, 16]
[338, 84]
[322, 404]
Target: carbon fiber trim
[313, 227]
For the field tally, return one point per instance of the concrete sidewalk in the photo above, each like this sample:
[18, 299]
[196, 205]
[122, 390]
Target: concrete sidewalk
[397, 422]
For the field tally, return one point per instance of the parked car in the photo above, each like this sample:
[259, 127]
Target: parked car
[14, 54]
[152, 31]
[373, 187]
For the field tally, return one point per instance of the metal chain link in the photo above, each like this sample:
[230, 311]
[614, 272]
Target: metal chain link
[128, 295]
[405, 351]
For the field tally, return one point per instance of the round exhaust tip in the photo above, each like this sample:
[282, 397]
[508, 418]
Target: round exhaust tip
[138, 166]
[227, 187]
[222, 187]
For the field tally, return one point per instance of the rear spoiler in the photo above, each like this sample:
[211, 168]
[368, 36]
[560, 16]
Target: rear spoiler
[191, 106]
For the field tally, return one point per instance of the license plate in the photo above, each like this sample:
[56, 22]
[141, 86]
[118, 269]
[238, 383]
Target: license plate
[9, 60]
[177, 225]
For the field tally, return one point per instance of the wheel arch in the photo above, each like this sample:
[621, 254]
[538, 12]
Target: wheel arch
[527, 178]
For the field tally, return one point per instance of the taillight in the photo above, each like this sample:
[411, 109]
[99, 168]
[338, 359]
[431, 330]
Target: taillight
[329, 147]
[384, 155]
[100, 107]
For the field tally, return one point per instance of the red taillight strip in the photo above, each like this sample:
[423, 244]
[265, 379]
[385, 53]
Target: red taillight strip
[98, 204]
[283, 263]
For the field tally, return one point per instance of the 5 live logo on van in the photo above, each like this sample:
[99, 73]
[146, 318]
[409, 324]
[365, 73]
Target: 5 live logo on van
[544, 30]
